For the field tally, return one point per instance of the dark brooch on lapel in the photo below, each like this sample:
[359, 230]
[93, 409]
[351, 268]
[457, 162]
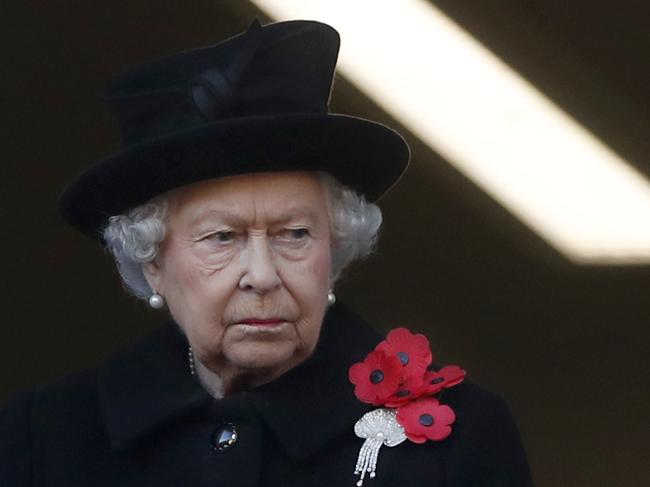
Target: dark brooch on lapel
[397, 376]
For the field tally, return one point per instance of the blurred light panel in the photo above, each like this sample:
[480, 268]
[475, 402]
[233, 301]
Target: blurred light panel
[490, 123]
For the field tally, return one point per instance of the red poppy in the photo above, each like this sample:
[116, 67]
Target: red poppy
[426, 419]
[409, 389]
[376, 378]
[446, 377]
[412, 351]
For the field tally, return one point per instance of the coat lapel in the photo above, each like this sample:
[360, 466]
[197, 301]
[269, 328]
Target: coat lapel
[147, 386]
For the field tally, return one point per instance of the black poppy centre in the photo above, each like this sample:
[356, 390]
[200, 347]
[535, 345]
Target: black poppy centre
[376, 376]
[403, 357]
[425, 419]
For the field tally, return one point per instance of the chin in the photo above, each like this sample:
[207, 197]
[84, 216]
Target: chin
[264, 355]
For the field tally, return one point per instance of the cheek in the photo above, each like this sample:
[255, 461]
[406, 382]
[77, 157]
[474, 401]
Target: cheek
[182, 281]
[196, 295]
[311, 282]
[190, 274]
[323, 262]
[310, 272]
[321, 267]
[313, 285]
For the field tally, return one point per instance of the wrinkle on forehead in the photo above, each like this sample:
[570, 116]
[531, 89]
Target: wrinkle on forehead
[248, 198]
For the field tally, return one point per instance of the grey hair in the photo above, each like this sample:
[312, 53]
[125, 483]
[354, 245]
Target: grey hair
[354, 224]
[134, 238]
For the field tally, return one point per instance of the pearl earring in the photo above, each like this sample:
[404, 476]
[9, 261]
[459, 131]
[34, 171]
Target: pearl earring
[331, 299]
[156, 301]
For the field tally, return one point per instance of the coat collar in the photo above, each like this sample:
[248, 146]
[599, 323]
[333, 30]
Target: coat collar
[137, 399]
[147, 386]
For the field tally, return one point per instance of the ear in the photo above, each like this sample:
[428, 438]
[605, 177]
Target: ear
[153, 274]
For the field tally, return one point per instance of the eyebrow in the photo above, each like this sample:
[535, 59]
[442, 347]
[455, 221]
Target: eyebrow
[226, 215]
[231, 217]
[297, 212]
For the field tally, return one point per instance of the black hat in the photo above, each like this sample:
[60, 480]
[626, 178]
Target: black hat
[255, 102]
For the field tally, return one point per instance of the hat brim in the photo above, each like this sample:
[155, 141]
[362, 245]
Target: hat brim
[367, 156]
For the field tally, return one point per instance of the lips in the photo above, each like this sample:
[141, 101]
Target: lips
[262, 321]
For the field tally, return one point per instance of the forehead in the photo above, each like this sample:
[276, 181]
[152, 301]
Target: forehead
[252, 196]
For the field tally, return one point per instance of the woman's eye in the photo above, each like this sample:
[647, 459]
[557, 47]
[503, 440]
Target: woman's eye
[293, 236]
[222, 237]
[298, 233]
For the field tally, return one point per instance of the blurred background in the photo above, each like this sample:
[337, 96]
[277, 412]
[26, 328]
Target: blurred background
[565, 343]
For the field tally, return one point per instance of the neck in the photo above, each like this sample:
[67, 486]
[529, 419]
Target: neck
[220, 382]
[210, 381]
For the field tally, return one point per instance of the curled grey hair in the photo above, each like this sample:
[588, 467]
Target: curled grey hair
[134, 237]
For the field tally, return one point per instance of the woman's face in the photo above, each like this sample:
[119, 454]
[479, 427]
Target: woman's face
[245, 269]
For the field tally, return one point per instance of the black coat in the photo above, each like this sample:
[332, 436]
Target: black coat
[143, 420]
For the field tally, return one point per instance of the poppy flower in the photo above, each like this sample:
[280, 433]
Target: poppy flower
[424, 419]
[444, 378]
[409, 389]
[376, 378]
[412, 351]
[401, 397]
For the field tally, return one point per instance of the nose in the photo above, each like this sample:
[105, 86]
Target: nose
[260, 273]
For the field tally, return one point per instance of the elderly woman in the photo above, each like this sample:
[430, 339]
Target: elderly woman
[234, 203]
